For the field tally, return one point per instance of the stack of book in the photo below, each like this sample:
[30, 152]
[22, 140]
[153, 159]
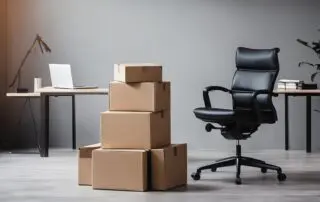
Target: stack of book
[288, 84]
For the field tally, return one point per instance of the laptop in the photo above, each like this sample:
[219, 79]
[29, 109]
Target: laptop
[61, 77]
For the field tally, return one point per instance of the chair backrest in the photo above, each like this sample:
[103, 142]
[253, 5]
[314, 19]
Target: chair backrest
[257, 69]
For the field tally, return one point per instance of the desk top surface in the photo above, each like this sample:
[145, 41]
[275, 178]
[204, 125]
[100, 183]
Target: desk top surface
[24, 95]
[297, 91]
[51, 90]
[55, 91]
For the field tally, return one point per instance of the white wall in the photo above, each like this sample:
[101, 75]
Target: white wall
[195, 40]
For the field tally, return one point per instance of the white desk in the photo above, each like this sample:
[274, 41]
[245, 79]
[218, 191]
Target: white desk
[44, 94]
[24, 95]
[93, 91]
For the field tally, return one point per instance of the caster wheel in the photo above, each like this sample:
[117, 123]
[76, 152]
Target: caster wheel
[214, 169]
[195, 176]
[282, 177]
[209, 127]
[238, 181]
[264, 170]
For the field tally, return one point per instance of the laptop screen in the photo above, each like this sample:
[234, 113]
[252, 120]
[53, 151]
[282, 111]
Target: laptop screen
[61, 76]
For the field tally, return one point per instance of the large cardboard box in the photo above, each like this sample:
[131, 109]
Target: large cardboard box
[84, 164]
[169, 167]
[144, 72]
[147, 96]
[135, 130]
[120, 169]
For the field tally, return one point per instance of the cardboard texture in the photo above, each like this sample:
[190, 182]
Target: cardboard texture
[120, 169]
[149, 96]
[84, 164]
[144, 72]
[135, 130]
[169, 167]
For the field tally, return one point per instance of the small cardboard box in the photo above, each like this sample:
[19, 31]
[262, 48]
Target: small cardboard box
[135, 130]
[125, 170]
[144, 72]
[169, 167]
[148, 96]
[84, 164]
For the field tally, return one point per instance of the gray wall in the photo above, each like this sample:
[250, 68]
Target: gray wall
[195, 40]
[3, 68]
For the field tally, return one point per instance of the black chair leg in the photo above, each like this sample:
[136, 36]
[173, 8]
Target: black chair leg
[239, 161]
[264, 167]
[257, 164]
[219, 164]
[226, 159]
[238, 166]
[231, 161]
[252, 159]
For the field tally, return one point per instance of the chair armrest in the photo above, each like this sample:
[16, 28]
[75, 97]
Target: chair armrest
[206, 91]
[264, 92]
[255, 100]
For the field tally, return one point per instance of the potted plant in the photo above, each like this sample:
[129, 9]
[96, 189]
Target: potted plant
[315, 46]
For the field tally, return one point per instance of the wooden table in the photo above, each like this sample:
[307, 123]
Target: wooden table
[44, 94]
[297, 92]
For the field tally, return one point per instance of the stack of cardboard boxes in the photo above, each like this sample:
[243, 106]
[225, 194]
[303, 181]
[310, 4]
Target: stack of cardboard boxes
[135, 152]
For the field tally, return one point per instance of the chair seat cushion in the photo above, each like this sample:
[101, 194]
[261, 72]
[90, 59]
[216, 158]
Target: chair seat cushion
[227, 116]
[215, 114]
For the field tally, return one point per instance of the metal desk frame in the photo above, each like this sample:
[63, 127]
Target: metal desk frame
[44, 94]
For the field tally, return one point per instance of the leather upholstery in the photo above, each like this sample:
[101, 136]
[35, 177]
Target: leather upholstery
[257, 69]
[214, 114]
[224, 116]
[262, 59]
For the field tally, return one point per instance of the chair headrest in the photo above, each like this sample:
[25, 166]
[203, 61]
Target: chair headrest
[257, 59]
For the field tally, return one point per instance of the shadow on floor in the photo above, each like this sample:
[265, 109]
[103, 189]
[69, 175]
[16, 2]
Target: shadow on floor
[194, 188]
[293, 178]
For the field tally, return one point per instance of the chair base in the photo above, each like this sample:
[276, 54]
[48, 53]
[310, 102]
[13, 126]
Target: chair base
[239, 161]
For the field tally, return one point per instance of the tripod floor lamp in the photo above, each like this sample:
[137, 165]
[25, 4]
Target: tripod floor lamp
[17, 78]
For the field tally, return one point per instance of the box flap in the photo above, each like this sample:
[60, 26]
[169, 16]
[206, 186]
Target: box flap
[140, 65]
[176, 165]
[86, 151]
[157, 170]
[125, 112]
[161, 124]
[137, 72]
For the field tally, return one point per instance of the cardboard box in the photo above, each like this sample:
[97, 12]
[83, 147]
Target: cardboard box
[84, 164]
[135, 130]
[148, 96]
[144, 72]
[120, 169]
[169, 167]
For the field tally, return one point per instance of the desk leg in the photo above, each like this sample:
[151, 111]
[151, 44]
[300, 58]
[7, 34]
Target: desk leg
[286, 105]
[74, 136]
[44, 136]
[308, 124]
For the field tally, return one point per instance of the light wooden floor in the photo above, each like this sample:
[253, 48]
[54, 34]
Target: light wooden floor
[28, 178]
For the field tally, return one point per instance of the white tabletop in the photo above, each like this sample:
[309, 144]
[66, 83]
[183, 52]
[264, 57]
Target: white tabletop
[297, 91]
[24, 95]
[55, 91]
[94, 91]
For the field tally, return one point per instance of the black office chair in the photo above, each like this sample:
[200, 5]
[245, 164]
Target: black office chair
[252, 91]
